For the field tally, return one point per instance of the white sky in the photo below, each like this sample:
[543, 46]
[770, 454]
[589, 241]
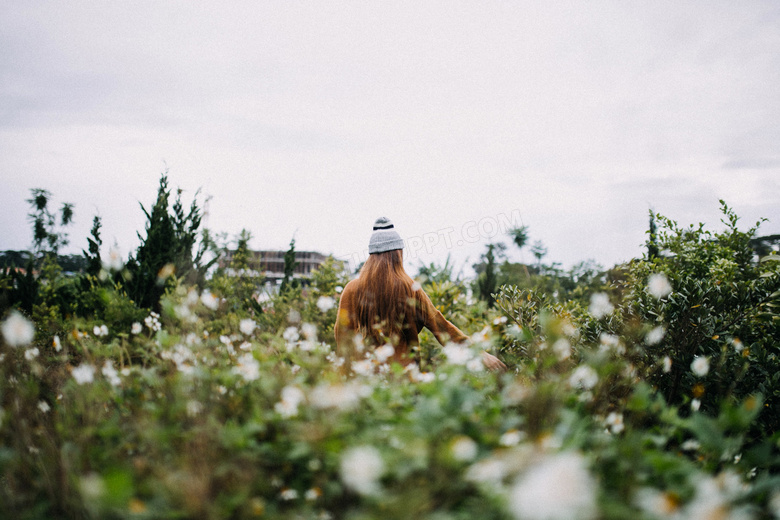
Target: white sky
[315, 118]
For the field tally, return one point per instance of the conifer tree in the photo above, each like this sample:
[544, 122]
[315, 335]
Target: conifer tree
[94, 263]
[289, 282]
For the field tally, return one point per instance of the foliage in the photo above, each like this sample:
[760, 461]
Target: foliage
[167, 249]
[229, 402]
[722, 308]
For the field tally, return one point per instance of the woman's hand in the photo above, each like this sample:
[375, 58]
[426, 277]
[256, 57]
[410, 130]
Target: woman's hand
[492, 362]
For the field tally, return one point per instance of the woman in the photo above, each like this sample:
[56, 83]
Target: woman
[384, 305]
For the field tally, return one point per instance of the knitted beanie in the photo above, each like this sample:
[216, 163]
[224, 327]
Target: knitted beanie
[384, 238]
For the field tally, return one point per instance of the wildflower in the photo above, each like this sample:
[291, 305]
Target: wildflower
[511, 438]
[658, 285]
[18, 330]
[84, 373]
[309, 331]
[475, 365]
[313, 494]
[457, 354]
[110, 373]
[738, 345]
[291, 335]
[291, 398]
[92, 487]
[562, 349]
[655, 336]
[99, 331]
[384, 353]
[695, 405]
[136, 328]
[56, 343]
[690, 445]
[490, 471]
[464, 449]
[657, 504]
[248, 367]
[416, 286]
[194, 408]
[152, 321]
[700, 365]
[43, 406]
[584, 377]
[363, 367]
[247, 326]
[361, 468]
[600, 306]
[343, 397]
[31, 353]
[560, 487]
[339, 289]
[209, 300]
[500, 320]
[325, 303]
[667, 361]
[245, 345]
[615, 422]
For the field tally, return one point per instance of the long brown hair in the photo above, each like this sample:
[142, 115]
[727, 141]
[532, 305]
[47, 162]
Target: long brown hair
[384, 297]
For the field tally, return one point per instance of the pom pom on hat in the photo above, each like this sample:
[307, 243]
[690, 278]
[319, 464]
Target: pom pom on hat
[384, 238]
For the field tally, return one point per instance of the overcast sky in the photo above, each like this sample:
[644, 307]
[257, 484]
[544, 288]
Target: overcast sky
[312, 119]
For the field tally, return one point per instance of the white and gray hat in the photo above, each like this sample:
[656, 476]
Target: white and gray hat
[384, 238]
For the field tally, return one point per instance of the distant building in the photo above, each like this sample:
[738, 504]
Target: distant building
[270, 265]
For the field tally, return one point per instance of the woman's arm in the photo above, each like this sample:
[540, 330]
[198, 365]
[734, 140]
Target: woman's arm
[445, 331]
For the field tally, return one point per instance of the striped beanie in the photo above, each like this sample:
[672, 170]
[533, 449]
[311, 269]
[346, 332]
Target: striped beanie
[384, 238]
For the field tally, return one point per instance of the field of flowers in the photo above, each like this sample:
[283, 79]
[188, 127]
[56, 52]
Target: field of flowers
[210, 409]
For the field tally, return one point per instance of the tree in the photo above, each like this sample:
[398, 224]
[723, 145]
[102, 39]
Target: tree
[289, 282]
[167, 249]
[94, 263]
[48, 235]
[487, 279]
[652, 240]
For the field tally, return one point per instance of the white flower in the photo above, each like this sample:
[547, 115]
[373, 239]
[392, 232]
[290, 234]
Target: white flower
[343, 397]
[667, 364]
[114, 261]
[56, 343]
[99, 331]
[325, 303]
[291, 335]
[194, 407]
[558, 488]
[43, 406]
[600, 306]
[562, 348]
[248, 367]
[363, 367]
[416, 286]
[384, 353]
[110, 373]
[611, 342]
[500, 320]
[288, 494]
[615, 422]
[247, 326]
[475, 364]
[457, 354]
[690, 445]
[658, 504]
[490, 471]
[309, 331]
[313, 494]
[738, 345]
[695, 405]
[584, 377]
[291, 398]
[361, 468]
[658, 285]
[655, 336]
[464, 449]
[209, 300]
[84, 373]
[136, 328]
[700, 365]
[18, 330]
[511, 438]
[31, 353]
[339, 289]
